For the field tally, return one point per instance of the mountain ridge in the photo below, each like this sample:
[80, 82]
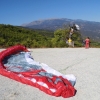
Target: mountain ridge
[87, 28]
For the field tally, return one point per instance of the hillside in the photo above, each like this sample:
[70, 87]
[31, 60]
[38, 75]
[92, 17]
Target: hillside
[12, 35]
[88, 28]
[32, 38]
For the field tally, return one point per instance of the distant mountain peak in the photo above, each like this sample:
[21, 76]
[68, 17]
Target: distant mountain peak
[88, 28]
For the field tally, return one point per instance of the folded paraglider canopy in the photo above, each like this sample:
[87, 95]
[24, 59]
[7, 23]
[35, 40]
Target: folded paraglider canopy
[17, 63]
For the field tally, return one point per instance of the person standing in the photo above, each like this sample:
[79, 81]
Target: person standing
[70, 43]
[87, 42]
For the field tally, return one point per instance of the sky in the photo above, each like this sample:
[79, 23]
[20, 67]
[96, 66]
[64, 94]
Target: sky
[18, 12]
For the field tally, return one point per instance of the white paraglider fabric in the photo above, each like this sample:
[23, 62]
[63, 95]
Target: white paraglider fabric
[69, 77]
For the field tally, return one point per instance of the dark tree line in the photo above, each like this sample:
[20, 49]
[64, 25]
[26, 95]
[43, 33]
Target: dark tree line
[12, 35]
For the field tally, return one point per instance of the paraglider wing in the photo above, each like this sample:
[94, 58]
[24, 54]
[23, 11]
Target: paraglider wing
[36, 75]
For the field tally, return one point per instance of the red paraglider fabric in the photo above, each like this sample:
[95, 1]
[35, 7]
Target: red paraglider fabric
[60, 88]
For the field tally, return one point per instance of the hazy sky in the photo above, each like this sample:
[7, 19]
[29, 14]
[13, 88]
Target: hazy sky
[18, 12]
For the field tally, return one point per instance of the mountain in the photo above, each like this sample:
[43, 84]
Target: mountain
[87, 28]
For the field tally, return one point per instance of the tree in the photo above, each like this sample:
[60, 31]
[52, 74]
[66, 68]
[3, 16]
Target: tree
[59, 39]
[60, 36]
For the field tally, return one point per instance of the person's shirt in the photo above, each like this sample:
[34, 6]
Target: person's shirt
[87, 41]
[69, 40]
